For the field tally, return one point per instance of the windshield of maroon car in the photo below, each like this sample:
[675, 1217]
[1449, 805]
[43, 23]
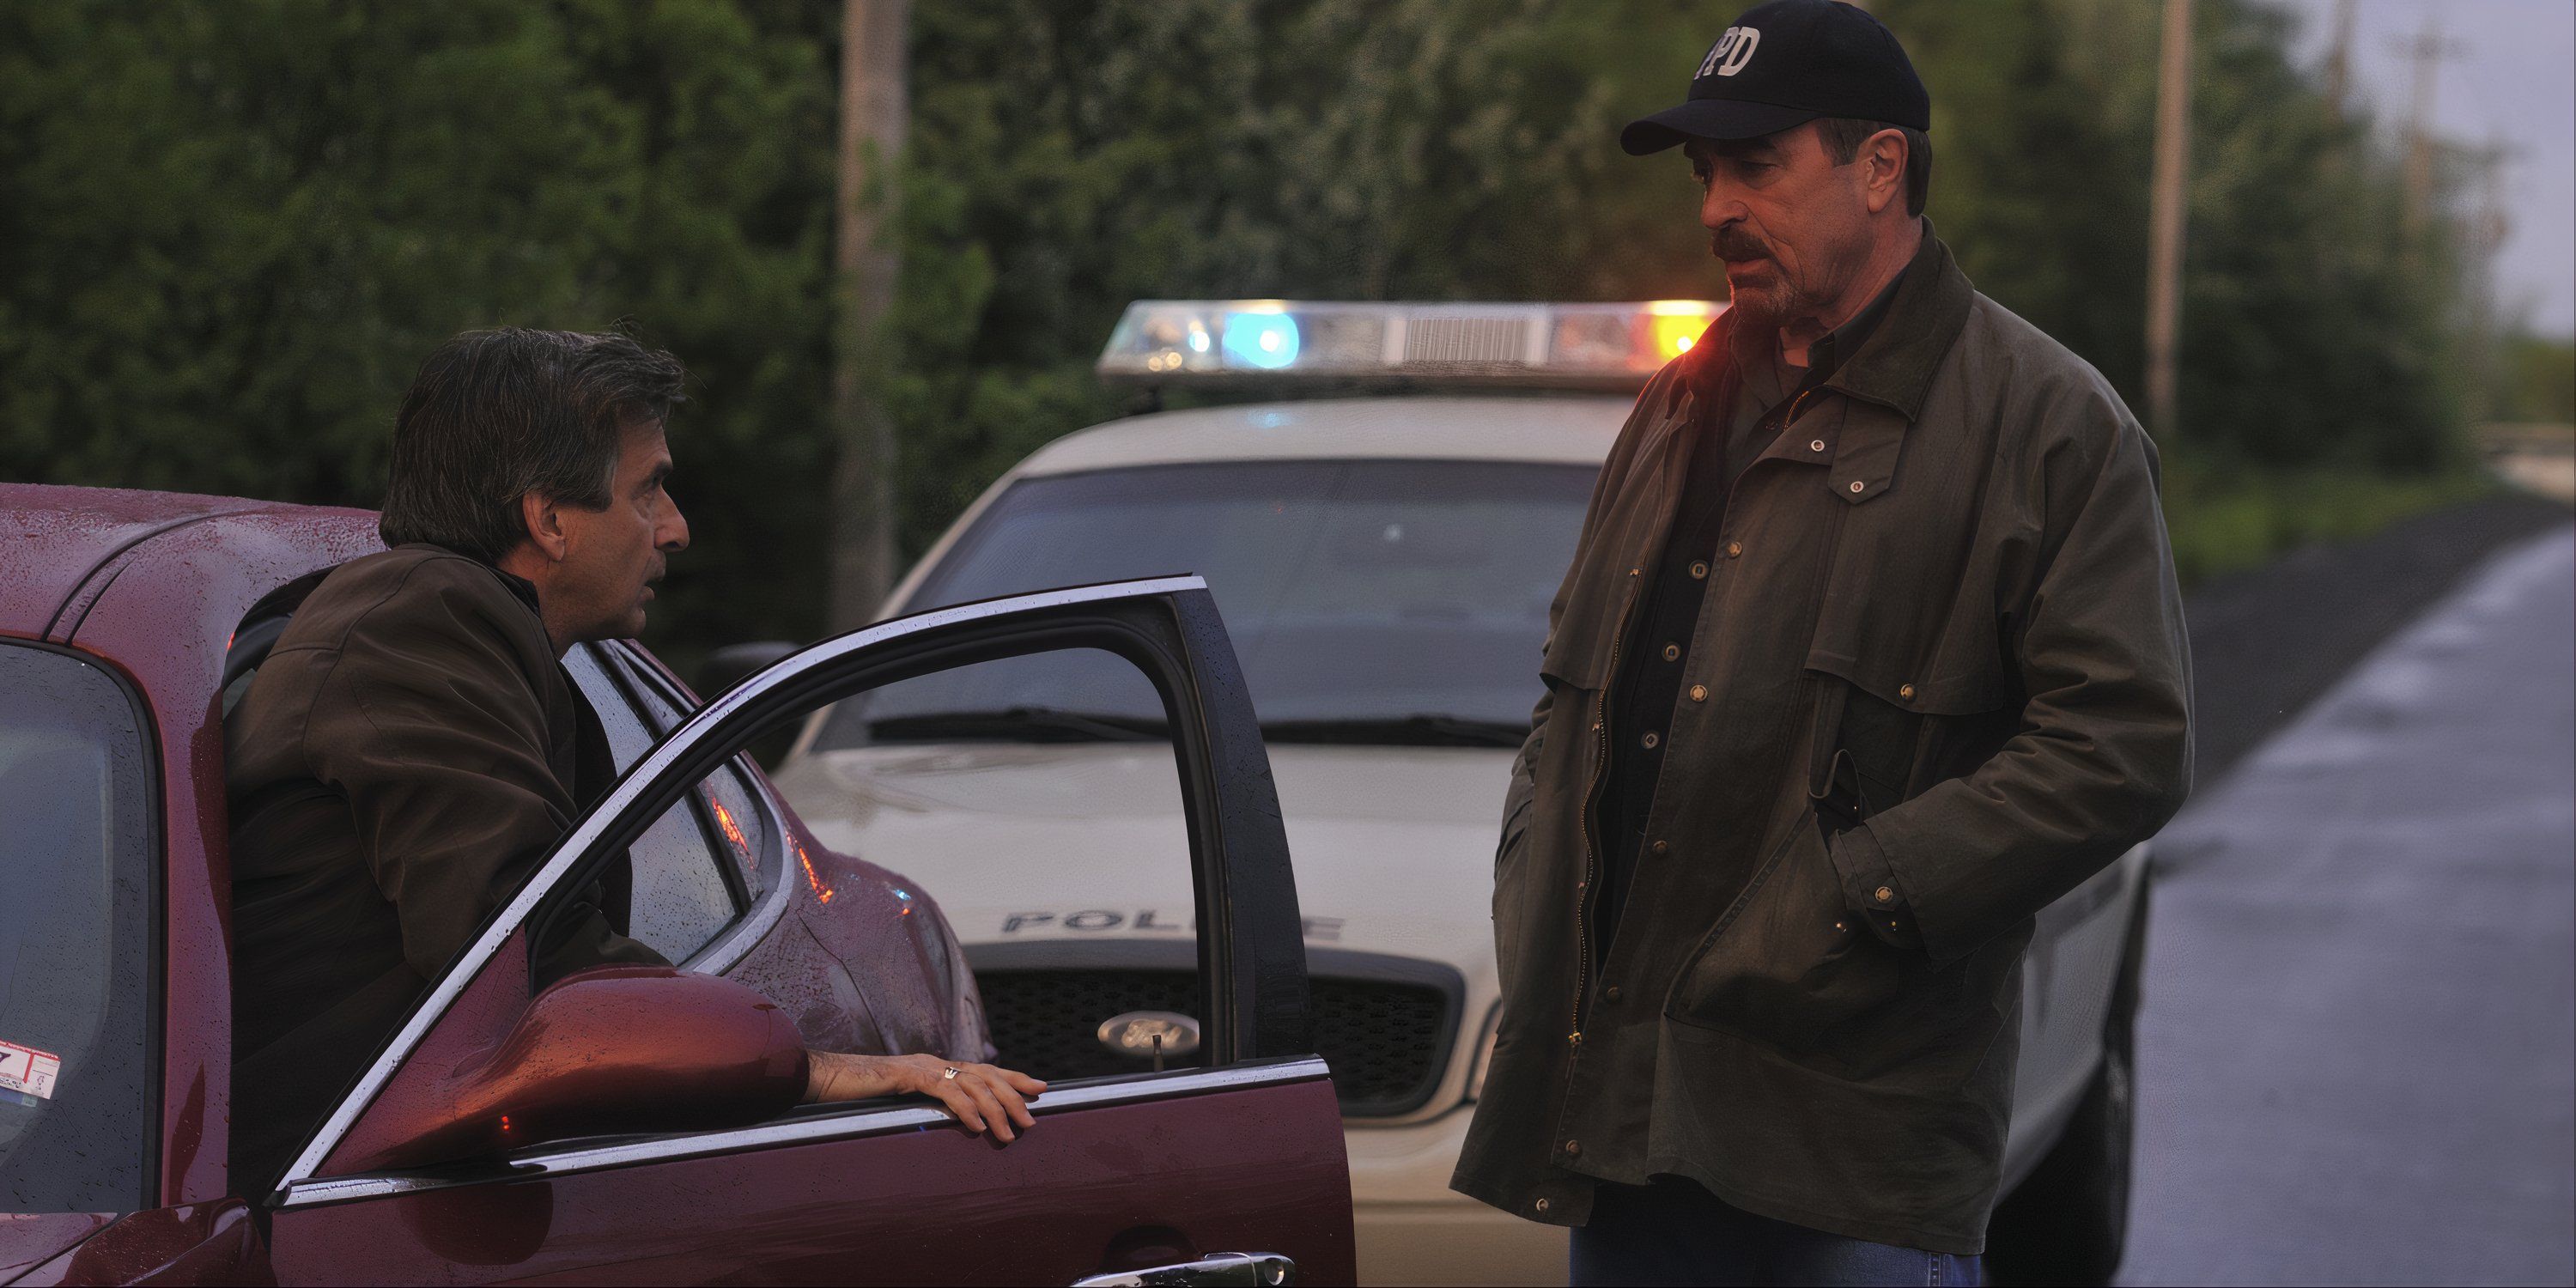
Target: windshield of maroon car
[1369, 601]
[75, 947]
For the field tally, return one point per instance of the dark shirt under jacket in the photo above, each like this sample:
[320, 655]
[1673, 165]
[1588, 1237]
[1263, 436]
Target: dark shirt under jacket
[1749, 394]
[407, 753]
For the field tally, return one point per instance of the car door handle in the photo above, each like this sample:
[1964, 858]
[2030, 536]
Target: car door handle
[1251, 1269]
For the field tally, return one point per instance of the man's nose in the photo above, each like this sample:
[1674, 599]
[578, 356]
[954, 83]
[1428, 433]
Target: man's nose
[672, 535]
[1720, 207]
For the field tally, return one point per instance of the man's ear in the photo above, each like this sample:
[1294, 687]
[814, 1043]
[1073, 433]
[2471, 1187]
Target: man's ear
[1882, 159]
[544, 522]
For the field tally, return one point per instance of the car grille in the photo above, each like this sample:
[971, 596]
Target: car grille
[1386, 1041]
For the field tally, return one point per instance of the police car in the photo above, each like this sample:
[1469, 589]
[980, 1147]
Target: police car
[1384, 565]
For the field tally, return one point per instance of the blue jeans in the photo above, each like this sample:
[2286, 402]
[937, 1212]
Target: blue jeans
[1674, 1232]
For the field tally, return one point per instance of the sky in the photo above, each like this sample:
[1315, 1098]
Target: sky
[2511, 80]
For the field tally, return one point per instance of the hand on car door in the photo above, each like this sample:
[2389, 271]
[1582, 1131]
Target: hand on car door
[980, 1095]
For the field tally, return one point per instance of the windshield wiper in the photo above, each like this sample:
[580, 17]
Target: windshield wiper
[1017, 724]
[1420, 729]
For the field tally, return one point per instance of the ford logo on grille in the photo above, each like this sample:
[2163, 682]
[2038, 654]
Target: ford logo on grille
[1136, 1033]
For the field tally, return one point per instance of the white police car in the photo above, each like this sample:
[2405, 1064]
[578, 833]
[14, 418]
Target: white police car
[1384, 565]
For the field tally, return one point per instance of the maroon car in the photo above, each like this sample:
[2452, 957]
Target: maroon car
[595, 1131]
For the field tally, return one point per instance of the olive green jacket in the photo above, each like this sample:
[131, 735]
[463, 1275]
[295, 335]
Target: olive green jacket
[1939, 679]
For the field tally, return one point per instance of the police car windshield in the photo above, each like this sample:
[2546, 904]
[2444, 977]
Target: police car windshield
[1370, 601]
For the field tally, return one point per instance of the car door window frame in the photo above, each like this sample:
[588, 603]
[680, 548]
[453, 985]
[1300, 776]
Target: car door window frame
[623, 662]
[1251, 950]
[758, 906]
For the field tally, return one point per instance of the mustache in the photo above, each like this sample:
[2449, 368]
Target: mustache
[1735, 246]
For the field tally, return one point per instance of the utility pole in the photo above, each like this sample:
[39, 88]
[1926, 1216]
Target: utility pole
[2165, 226]
[2339, 56]
[876, 114]
[2483, 228]
[2428, 51]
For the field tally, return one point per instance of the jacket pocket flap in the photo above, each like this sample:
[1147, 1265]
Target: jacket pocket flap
[1950, 693]
[1866, 443]
[1576, 658]
[1587, 633]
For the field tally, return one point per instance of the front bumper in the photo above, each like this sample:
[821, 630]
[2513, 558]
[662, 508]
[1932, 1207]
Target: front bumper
[1413, 1229]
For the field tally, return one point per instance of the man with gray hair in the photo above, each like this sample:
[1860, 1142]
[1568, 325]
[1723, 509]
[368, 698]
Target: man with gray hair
[1871, 649]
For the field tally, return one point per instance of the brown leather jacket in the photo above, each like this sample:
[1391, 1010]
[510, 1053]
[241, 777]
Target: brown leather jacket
[1944, 604]
[407, 753]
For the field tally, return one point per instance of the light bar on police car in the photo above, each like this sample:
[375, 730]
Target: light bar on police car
[1561, 346]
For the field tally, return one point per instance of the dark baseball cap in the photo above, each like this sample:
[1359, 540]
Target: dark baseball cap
[1786, 63]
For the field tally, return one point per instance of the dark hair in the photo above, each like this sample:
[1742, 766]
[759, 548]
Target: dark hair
[1842, 137]
[496, 415]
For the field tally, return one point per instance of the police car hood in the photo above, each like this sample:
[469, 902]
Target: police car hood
[1393, 846]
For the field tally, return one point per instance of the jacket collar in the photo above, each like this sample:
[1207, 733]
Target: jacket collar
[520, 587]
[1894, 364]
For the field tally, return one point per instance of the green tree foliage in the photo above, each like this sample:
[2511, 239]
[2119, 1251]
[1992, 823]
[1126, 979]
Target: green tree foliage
[229, 231]
[2317, 332]
[1069, 157]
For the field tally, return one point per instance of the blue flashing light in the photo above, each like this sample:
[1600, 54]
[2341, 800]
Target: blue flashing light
[1267, 341]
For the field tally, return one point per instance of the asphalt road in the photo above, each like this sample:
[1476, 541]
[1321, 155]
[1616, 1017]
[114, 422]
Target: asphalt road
[2358, 1045]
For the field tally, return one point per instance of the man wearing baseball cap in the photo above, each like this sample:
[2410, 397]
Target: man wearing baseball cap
[1871, 648]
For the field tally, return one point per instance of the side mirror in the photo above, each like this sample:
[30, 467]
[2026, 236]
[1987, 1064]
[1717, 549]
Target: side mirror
[613, 1049]
[734, 663]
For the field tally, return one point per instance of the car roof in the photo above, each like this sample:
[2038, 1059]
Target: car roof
[57, 536]
[1566, 429]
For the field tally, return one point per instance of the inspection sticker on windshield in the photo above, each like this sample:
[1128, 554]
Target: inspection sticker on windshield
[28, 1070]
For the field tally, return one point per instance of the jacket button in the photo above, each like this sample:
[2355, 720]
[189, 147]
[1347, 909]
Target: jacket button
[1734, 549]
[1610, 994]
[1856, 485]
[1699, 570]
[1699, 693]
[1816, 446]
[1884, 895]
[1905, 691]
[1539, 1206]
[1659, 847]
[1652, 739]
[1672, 652]
[1574, 1147]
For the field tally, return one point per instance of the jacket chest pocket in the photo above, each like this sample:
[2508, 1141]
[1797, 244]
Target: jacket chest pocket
[1909, 625]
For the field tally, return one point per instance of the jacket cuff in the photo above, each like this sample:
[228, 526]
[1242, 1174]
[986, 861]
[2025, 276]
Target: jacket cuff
[1870, 887]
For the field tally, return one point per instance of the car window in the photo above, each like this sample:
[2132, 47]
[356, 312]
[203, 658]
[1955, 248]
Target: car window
[1369, 600]
[746, 826]
[76, 1111]
[695, 869]
[1065, 868]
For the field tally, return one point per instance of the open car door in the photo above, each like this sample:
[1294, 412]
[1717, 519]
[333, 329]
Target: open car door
[1229, 1169]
